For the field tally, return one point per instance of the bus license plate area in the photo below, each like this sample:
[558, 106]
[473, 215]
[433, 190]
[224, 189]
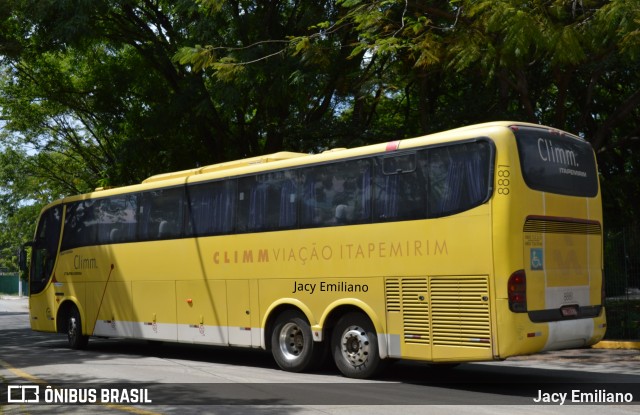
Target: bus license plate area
[569, 311]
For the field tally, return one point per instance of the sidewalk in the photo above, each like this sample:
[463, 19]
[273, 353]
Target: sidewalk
[620, 361]
[13, 304]
[617, 344]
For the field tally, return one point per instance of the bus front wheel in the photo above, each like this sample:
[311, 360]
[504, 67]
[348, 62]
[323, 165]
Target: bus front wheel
[292, 343]
[77, 340]
[354, 345]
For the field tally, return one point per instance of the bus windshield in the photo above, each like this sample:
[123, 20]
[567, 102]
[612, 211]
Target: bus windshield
[556, 163]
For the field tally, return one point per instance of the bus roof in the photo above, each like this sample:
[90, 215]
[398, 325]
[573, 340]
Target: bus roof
[283, 155]
[292, 159]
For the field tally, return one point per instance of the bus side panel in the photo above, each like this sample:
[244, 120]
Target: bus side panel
[440, 318]
[108, 309]
[518, 335]
[86, 277]
[436, 274]
[514, 330]
[239, 312]
[202, 311]
[152, 269]
[42, 309]
[318, 296]
[439, 306]
[154, 307]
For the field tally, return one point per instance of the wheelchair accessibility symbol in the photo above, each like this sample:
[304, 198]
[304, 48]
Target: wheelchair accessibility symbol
[537, 259]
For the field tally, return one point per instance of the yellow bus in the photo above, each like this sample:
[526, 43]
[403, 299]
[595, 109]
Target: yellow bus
[474, 244]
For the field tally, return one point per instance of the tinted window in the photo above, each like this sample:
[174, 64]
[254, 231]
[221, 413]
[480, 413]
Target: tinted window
[459, 177]
[432, 182]
[409, 185]
[267, 201]
[557, 163]
[100, 221]
[336, 194]
[400, 187]
[45, 248]
[80, 225]
[116, 219]
[212, 208]
[161, 214]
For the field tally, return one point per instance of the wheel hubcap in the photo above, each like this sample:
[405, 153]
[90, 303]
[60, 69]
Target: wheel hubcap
[73, 327]
[355, 345]
[291, 341]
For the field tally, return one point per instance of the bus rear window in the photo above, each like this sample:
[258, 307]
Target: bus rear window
[556, 163]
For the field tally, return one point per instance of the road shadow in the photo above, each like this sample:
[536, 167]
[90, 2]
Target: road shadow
[401, 383]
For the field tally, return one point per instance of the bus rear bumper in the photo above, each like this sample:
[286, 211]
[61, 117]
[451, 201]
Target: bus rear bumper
[527, 337]
[570, 334]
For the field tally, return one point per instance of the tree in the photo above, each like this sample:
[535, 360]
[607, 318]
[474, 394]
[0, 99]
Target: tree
[18, 208]
[572, 64]
[109, 92]
[94, 82]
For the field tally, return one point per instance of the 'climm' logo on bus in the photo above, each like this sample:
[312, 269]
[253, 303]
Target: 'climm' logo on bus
[315, 252]
[80, 262]
[559, 155]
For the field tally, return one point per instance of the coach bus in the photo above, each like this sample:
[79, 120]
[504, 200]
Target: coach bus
[474, 244]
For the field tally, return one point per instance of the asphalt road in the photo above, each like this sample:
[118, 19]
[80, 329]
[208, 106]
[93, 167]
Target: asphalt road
[194, 379]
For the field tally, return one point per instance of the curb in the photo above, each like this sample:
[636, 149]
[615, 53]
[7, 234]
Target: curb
[617, 344]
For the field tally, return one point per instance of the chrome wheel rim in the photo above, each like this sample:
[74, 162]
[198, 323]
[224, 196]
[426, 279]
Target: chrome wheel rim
[291, 341]
[355, 345]
[73, 327]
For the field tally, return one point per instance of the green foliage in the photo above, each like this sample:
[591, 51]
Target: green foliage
[110, 92]
[21, 198]
[198, 57]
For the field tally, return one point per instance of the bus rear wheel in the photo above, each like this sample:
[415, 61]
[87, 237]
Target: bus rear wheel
[354, 344]
[292, 342]
[77, 340]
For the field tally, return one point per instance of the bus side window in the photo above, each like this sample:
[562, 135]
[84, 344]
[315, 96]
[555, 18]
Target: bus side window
[458, 177]
[212, 208]
[336, 194]
[116, 219]
[400, 188]
[267, 202]
[161, 214]
[80, 225]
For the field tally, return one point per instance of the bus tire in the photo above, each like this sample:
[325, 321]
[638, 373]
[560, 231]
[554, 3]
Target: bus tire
[354, 345]
[292, 342]
[77, 340]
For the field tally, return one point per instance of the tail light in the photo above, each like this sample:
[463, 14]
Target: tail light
[517, 289]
